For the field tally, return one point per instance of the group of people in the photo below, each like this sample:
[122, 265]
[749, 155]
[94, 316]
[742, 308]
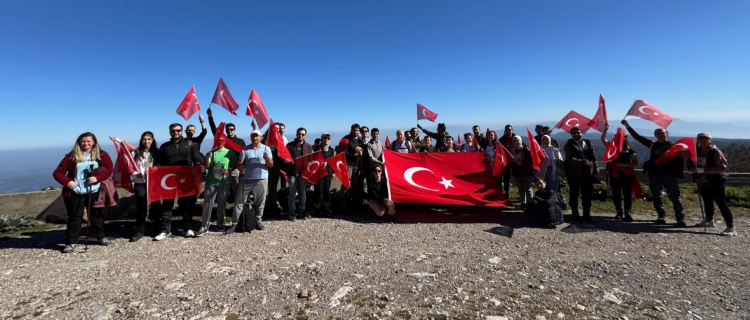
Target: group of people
[256, 172]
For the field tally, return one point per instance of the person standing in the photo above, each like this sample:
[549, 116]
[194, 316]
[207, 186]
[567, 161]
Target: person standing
[427, 145]
[580, 169]
[415, 139]
[621, 175]
[552, 165]
[231, 132]
[470, 144]
[375, 148]
[662, 177]
[401, 145]
[297, 184]
[438, 137]
[479, 138]
[507, 141]
[322, 193]
[190, 132]
[523, 169]
[219, 162]
[80, 173]
[254, 164]
[709, 166]
[177, 152]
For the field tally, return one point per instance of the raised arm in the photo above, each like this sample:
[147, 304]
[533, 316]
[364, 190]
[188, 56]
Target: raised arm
[211, 121]
[605, 142]
[644, 141]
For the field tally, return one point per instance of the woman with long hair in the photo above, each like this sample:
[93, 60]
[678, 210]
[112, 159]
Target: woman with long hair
[621, 175]
[143, 156]
[80, 172]
[709, 166]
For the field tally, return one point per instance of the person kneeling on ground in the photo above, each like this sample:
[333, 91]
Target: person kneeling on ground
[377, 190]
[546, 206]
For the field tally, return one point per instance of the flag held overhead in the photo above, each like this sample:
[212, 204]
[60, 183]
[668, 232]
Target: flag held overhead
[643, 110]
[224, 98]
[600, 118]
[424, 113]
[573, 119]
[256, 109]
[189, 105]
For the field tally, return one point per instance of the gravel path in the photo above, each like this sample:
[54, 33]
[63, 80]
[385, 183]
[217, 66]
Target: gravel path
[442, 265]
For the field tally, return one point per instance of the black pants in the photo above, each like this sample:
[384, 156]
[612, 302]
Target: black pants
[74, 205]
[717, 194]
[274, 175]
[141, 206]
[506, 180]
[186, 205]
[583, 187]
[322, 195]
[622, 189]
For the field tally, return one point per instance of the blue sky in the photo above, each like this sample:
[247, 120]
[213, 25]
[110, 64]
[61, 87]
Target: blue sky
[120, 68]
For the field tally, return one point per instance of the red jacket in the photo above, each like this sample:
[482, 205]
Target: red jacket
[66, 171]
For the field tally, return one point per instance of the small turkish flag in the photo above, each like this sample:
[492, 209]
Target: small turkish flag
[256, 109]
[312, 167]
[614, 147]
[573, 119]
[424, 113]
[124, 167]
[274, 139]
[227, 143]
[600, 118]
[537, 154]
[683, 147]
[338, 163]
[387, 142]
[224, 98]
[189, 105]
[502, 159]
[458, 141]
[170, 182]
[643, 110]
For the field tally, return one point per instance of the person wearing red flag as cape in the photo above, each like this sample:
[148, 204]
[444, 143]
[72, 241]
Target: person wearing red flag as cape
[143, 157]
[580, 169]
[643, 110]
[255, 161]
[297, 148]
[600, 118]
[322, 189]
[189, 105]
[664, 177]
[224, 98]
[176, 152]
[219, 162]
[709, 165]
[621, 161]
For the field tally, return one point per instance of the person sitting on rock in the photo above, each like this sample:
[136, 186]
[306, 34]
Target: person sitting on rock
[546, 207]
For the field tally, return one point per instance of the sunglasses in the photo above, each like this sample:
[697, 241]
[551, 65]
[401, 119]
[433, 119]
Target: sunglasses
[175, 131]
[230, 129]
[378, 171]
[301, 134]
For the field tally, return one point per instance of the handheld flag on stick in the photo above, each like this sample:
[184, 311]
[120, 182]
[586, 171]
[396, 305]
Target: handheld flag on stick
[189, 105]
[227, 143]
[224, 98]
[600, 118]
[573, 119]
[614, 147]
[643, 110]
[338, 163]
[256, 109]
[274, 139]
[683, 147]
[424, 113]
[537, 154]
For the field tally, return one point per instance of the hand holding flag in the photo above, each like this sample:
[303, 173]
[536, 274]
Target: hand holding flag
[683, 147]
[537, 153]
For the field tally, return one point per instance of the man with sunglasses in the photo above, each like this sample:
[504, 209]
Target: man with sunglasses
[232, 135]
[297, 184]
[177, 152]
[580, 168]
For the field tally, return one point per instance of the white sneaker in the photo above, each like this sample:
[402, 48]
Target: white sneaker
[162, 236]
[729, 232]
[190, 233]
[707, 224]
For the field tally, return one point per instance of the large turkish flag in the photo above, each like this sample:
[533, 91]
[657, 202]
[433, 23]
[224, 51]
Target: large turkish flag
[456, 178]
[169, 182]
[312, 167]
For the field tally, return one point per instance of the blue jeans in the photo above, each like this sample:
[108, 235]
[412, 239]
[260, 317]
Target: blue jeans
[297, 184]
[550, 181]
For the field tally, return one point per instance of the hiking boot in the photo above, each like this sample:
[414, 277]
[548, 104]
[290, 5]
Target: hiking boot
[680, 224]
[628, 217]
[259, 226]
[161, 236]
[201, 232]
[706, 224]
[104, 242]
[69, 248]
[618, 216]
[660, 220]
[729, 232]
[230, 229]
[137, 236]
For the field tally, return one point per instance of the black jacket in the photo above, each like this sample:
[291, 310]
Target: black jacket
[326, 155]
[182, 153]
[575, 159]
[377, 191]
[547, 208]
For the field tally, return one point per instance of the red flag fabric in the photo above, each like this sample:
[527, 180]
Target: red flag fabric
[170, 182]
[458, 141]
[537, 153]
[283, 174]
[256, 109]
[224, 98]
[573, 119]
[124, 167]
[643, 110]
[441, 178]
[189, 105]
[683, 147]
[312, 167]
[227, 143]
[614, 147]
[424, 113]
[502, 159]
[600, 118]
[387, 142]
[274, 139]
[338, 163]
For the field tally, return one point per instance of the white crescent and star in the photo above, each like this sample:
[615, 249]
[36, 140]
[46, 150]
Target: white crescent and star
[164, 181]
[311, 163]
[567, 123]
[338, 168]
[684, 146]
[409, 173]
[644, 107]
[609, 155]
[424, 112]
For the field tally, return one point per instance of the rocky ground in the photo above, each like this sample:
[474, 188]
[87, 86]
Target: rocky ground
[456, 264]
